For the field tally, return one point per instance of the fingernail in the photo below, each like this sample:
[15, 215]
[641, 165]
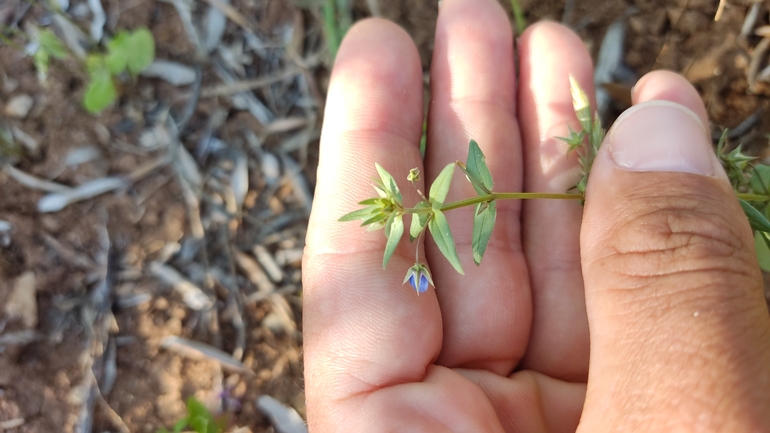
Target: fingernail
[661, 136]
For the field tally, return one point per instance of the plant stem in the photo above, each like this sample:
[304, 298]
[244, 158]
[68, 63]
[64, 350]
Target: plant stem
[752, 197]
[509, 196]
[538, 195]
[498, 196]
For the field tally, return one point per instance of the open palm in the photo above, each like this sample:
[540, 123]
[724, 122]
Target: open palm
[505, 347]
[446, 358]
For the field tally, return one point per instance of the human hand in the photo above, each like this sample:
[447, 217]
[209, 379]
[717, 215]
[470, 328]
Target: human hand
[679, 332]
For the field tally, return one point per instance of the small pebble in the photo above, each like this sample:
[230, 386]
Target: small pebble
[19, 106]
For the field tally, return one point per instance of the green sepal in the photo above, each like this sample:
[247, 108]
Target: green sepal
[483, 224]
[439, 229]
[440, 187]
[394, 229]
[756, 219]
[419, 221]
[477, 170]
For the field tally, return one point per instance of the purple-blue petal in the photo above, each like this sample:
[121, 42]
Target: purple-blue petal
[423, 283]
[413, 283]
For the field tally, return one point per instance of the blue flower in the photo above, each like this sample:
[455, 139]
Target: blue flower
[419, 278]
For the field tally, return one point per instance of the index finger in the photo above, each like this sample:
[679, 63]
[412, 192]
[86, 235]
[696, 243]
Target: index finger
[358, 319]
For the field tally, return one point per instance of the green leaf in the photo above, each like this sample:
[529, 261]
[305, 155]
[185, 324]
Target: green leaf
[199, 417]
[483, 224]
[439, 229]
[360, 214]
[141, 51]
[394, 228]
[762, 249]
[100, 92]
[756, 219]
[760, 179]
[419, 221]
[389, 183]
[477, 169]
[117, 53]
[440, 187]
[373, 201]
[51, 44]
[375, 219]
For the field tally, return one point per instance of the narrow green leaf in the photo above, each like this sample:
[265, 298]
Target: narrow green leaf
[483, 224]
[756, 219]
[477, 168]
[375, 219]
[394, 228]
[419, 221]
[762, 250]
[439, 229]
[440, 187]
[373, 201]
[359, 214]
[141, 51]
[389, 183]
[100, 92]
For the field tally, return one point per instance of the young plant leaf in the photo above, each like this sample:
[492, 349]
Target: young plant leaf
[141, 52]
[389, 183]
[117, 53]
[439, 229]
[419, 221]
[100, 92]
[483, 224]
[478, 170]
[756, 219]
[440, 187]
[394, 228]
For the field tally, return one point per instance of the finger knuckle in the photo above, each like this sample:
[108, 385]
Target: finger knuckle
[679, 244]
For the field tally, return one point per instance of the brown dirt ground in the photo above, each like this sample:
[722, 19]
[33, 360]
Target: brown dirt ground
[38, 380]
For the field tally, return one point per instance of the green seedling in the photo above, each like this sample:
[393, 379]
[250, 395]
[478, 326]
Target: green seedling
[48, 46]
[751, 183]
[198, 419]
[130, 52]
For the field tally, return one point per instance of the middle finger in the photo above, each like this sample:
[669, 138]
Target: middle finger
[486, 313]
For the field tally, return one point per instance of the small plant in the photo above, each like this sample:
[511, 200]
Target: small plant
[198, 419]
[47, 46]
[750, 182]
[128, 51]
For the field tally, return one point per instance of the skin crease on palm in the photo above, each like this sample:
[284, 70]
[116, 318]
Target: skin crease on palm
[672, 302]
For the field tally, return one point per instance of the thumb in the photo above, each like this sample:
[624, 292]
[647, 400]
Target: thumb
[678, 323]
